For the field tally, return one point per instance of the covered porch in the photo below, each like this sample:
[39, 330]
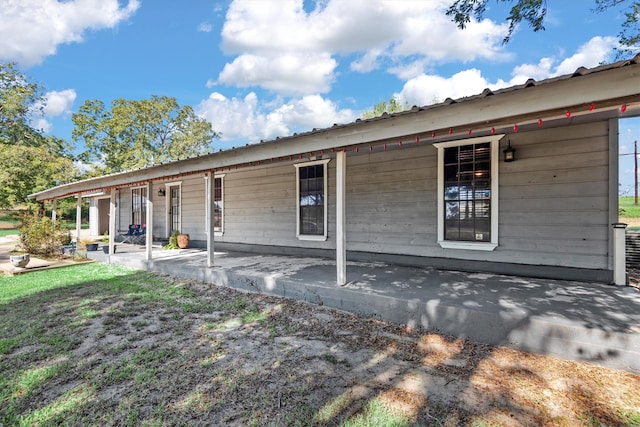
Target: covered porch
[582, 321]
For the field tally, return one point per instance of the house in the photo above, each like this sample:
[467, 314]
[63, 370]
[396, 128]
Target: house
[520, 181]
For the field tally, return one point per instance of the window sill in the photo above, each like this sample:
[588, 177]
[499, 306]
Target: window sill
[471, 246]
[312, 237]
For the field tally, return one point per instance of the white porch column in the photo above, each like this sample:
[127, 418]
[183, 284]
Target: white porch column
[210, 217]
[54, 214]
[78, 216]
[149, 222]
[112, 222]
[619, 254]
[341, 246]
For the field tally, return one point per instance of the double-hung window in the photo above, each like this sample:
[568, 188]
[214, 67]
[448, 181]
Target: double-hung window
[139, 205]
[468, 193]
[311, 205]
[218, 204]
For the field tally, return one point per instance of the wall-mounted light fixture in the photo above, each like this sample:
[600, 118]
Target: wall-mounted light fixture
[161, 192]
[509, 153]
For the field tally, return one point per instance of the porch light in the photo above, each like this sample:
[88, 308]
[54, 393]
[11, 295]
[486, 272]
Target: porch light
[161, 192]
[509, 153]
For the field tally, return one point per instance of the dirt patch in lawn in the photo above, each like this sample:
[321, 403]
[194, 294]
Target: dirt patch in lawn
[174, 352]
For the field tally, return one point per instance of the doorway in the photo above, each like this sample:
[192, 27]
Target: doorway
[174, 209]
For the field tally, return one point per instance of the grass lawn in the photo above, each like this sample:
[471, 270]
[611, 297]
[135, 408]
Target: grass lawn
[96, 344]
[8, 232]
[630, 210]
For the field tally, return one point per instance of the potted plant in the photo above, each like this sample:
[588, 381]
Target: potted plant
[87, 244]
[105, 243]
[183, 240]
[19, 261]
[173, 241]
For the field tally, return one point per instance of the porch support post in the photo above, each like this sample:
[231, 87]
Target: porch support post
[210, 217]
[149, 222]
[112, 222]
[341, 241]
[619, 254]
[54, 207]
[78, 216]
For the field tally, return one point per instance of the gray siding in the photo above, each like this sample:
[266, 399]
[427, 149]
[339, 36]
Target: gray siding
[553, 202]
[260, 207]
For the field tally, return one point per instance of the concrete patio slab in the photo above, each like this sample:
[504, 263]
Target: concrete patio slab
[582, 321]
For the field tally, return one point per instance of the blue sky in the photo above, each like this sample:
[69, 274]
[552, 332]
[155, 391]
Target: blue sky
[258, 69]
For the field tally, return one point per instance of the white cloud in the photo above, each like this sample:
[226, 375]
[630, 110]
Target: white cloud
[281, 47]
[428, 89]
[205, 27]
[32, 29]
[59, 102]
[248, 120]
[590, 54]
[286, 74]
[56, 103]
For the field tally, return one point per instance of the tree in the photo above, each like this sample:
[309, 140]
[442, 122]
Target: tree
[135, 134]
[29, 161]
[534, 12]
[393, 106]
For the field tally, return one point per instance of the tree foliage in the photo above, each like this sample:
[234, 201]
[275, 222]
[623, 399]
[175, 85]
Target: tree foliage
[393, 106]
[534, 12]
[29, 161]
[139, 133]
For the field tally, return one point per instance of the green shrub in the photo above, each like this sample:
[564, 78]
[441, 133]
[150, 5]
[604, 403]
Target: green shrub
[173, 241]
[40, 236]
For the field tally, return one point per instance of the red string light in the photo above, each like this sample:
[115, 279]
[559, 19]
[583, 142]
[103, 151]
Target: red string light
[450, 131]
[623, 108]
[469, 132]
[385, 146]
[592, 106]
[400, 144]
[493, 131]
[417, 139]
[540, 122]
[433, 134]
[515, 128]
[357, 149]
[568, 114]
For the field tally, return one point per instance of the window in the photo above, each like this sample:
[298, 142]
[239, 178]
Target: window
[217, 204]
[311, 202]
[139, 205]
[468, 193]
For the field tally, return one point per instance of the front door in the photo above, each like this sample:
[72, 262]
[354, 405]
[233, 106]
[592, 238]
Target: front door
[174, 209]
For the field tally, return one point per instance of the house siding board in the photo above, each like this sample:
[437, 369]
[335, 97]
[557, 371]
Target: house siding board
[553, 201]
[260, 207]
[554, 198]
[391, 201]
[193, 207]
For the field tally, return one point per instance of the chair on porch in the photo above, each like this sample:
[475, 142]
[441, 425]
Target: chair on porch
[135, 235]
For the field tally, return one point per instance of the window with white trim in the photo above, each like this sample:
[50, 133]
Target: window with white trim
[138, 205]
[218, 204]
[468, 193]
[311, 204]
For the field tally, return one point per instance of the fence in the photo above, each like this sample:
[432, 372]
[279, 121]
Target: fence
[633, 248]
